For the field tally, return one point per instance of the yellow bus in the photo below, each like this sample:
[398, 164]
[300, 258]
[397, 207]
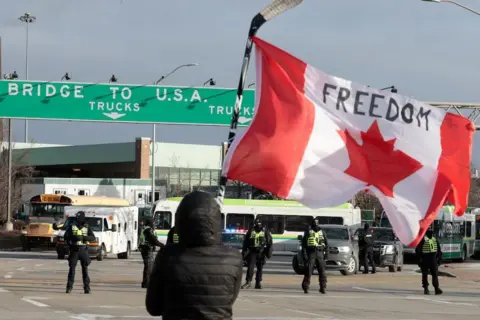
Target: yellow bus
[47, 209]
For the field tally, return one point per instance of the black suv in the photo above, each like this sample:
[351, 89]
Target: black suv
[387, 249]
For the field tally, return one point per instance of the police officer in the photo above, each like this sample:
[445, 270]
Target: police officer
[365, 242]
[314, 246]
[257, 247]
[147, 244]
[172, 237]
[78, 236]
[429, 254]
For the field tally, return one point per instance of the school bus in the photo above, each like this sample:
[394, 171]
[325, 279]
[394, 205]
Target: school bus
[47, 209]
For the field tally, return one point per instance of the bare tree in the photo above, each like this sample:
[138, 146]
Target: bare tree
[474, 194]
[367, 201]
[19, 171]
[187, 179]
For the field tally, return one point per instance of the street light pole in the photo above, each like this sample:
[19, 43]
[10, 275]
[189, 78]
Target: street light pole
[154, 142]
[8, 225]
[27, 18]
[455, 3]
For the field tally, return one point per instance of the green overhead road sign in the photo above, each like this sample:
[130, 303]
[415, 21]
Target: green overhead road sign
[122, 103]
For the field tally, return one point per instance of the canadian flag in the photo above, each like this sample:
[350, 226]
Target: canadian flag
[320, 139]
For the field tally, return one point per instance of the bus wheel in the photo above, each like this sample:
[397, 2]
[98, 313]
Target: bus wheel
[464, 254]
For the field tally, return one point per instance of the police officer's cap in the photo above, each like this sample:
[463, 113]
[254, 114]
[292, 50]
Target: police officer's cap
[80, 215]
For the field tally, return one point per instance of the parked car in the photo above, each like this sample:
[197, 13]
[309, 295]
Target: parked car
[387, 249]
[342, 251]
[234, 238]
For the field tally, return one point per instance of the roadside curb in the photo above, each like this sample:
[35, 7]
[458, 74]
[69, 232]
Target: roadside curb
[441, 273]
[11, 249]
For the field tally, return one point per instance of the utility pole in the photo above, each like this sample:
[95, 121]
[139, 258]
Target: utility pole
[8, 225]
[27, 18]
[154, 141]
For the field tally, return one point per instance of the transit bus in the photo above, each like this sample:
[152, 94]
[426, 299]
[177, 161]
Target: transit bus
[455, 234]
[285, 219]
[46, 209]
[476, 213]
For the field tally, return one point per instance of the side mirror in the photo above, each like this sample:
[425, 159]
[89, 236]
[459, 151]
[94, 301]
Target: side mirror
[114, 228]
[55, 226]
[299, 238]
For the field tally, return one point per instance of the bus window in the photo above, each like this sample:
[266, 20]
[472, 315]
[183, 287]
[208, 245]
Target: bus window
[297, 223]
[236, 221]
[469, 229]
[163, 220]
[223, 221]
[274, 223]
[477, 227]
[330, 220]
[48, 210]
[105, 224]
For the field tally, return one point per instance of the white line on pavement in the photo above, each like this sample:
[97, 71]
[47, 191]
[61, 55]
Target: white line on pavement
[3, 290]
[441, 301]
[382, 291]
[21, 269]
[33, 301]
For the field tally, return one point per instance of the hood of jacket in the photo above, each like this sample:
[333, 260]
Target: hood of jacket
[198, 220]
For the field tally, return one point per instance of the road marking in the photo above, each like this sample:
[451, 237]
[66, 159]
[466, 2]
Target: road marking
[441, 301]
[8, 275]
[38, 265]
[3, 290]
[33, 301]
[382, 291]
[305, 312]
[21, 269]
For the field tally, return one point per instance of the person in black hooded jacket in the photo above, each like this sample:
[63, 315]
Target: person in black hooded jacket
[199, 278]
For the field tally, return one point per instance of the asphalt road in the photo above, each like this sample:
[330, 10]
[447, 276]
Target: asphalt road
[32, 286]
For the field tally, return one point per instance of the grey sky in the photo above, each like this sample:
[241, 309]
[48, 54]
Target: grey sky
[427, 50]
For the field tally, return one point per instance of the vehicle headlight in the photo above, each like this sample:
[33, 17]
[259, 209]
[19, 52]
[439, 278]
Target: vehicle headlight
[96, 239]
[300, 247]
[344, 249]
[389, 249]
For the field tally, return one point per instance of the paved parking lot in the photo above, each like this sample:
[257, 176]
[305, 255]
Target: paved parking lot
[32, 286]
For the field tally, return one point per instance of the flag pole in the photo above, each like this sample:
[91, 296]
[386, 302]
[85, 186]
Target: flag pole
[274, 9]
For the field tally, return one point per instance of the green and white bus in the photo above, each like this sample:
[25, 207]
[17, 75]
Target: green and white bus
[285, 219]
[476, 213]
[455, 234]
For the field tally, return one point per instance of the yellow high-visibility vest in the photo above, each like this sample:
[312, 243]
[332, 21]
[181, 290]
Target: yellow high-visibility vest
[80, 232]
[430, 245]
[315, 239]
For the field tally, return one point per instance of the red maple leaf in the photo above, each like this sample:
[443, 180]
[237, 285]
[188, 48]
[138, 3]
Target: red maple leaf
[376, 162]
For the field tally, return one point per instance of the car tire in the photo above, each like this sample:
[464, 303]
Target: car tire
[102, 254]
[352, 267]
[296, 266]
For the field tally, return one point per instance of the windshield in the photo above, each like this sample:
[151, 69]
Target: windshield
[383, 234]
[336, 233]
[94, 223]
[48, 210]
[232, 238]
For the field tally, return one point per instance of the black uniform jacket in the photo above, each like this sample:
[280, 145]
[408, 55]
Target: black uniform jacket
[200, 278]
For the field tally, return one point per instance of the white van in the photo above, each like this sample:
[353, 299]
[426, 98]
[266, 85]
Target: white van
[115, 229]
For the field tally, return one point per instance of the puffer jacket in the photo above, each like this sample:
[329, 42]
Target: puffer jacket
[199, 278]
